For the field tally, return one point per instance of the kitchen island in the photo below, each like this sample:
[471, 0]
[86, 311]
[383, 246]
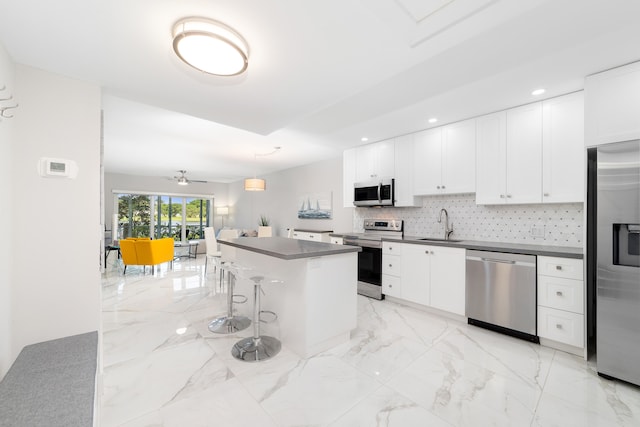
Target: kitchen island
[316, 305]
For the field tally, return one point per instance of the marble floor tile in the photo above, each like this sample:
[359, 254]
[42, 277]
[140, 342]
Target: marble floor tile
[401, 367]
[387, 408]
[462, 392]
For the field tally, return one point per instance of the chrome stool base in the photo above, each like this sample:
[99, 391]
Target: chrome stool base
[256, 349]
[229, 325]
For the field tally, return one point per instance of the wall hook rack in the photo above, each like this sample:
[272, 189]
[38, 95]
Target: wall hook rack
[4, 109]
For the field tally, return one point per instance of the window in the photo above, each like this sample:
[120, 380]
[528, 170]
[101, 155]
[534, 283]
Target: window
[179, 217]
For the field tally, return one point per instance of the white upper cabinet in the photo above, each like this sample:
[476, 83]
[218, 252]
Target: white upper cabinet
[427, 161]
[491, 158]
[404, 193]
[532, 154]
[509, 156]
[348, 176]
[524, 154]
[563, 149]
[444, 159]
[375, 161]
[459, 157]
[612, 105]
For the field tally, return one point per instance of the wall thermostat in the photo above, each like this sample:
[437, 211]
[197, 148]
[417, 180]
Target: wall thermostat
[57, 168]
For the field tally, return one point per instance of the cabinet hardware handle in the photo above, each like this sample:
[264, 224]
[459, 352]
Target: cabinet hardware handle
[390, 248]
[502, 196]
[438, 187]
[390, 265]
[443, 187]
[391, 286]
[558, 326]
[508, 196]
[432, 252]
[559, 293]
[546, 194]
[558, 267]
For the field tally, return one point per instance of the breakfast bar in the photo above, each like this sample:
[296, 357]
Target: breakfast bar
[316, 303]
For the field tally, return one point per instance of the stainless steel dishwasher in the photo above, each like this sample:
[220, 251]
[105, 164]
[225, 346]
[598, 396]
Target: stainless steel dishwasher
[501, 292]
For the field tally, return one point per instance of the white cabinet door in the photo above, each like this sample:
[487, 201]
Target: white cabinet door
[375, 161]
[459, 157]
[404, 195]
[612, 105]
[491, 158]
[348, 176]
[427, 158]
[391, 286]
[448, 279]
[415, 273]
[563, 149]
[365, 163]
[524, 154]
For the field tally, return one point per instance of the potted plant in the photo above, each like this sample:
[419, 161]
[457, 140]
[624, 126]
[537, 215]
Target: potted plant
[264, 229]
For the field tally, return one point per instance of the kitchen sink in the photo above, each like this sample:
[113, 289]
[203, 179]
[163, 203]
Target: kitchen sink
[437, 239]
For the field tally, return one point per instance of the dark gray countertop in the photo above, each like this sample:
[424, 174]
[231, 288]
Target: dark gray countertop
[517, 248]
[285, 248]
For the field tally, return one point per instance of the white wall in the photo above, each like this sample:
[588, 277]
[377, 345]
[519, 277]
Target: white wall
[280, 200]
[113, 181]
[55, 238]
[6, 186]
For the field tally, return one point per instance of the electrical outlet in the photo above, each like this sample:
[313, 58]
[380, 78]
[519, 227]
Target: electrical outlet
[538, 231]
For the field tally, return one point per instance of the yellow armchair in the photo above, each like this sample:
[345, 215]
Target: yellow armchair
[146, 252]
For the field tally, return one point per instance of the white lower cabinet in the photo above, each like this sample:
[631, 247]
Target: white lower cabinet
[416, 260]
[321, 236]
[391, 282]
[433, 276]
[561, 326]
[561, 301]
[448, 279]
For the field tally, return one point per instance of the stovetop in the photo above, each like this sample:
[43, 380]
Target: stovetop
[376, 229]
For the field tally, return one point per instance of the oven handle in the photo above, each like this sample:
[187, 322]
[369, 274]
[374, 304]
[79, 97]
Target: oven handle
[363, 243]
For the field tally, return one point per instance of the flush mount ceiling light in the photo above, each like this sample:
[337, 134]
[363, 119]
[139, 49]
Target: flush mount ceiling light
[433, 120]
[210, 46]
[538, 92]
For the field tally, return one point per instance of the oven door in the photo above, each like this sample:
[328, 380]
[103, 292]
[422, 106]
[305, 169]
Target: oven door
[369, 267]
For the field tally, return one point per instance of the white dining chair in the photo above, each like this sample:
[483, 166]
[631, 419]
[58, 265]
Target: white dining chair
[212, 248]
[228, 233]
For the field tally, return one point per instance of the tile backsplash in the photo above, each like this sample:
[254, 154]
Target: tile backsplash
[550, 224]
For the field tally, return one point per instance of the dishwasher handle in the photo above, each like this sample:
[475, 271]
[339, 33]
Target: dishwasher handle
[500, 261]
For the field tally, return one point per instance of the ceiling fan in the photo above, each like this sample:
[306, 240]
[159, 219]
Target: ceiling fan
[183, 180]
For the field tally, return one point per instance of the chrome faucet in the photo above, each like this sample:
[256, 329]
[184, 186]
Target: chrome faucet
[447, 230]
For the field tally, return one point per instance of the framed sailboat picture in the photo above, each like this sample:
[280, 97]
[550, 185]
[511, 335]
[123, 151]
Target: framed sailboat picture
[315, 206]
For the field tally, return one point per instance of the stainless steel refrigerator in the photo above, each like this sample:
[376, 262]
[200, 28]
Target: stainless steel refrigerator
[618, 261]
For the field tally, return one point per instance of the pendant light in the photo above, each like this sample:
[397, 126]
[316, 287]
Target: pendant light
[258, 184]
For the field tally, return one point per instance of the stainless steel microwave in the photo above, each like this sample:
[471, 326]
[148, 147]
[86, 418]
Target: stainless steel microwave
[374, 193]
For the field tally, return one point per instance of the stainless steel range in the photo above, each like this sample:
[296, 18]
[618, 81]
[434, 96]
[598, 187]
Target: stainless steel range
[370, 259]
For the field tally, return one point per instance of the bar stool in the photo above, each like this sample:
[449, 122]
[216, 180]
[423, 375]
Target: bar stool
[258, 347]
[230, 324]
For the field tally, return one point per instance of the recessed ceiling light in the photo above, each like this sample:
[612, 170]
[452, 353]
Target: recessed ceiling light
[364, 139]
[210, 46]
[433, 120]
[538, 92]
